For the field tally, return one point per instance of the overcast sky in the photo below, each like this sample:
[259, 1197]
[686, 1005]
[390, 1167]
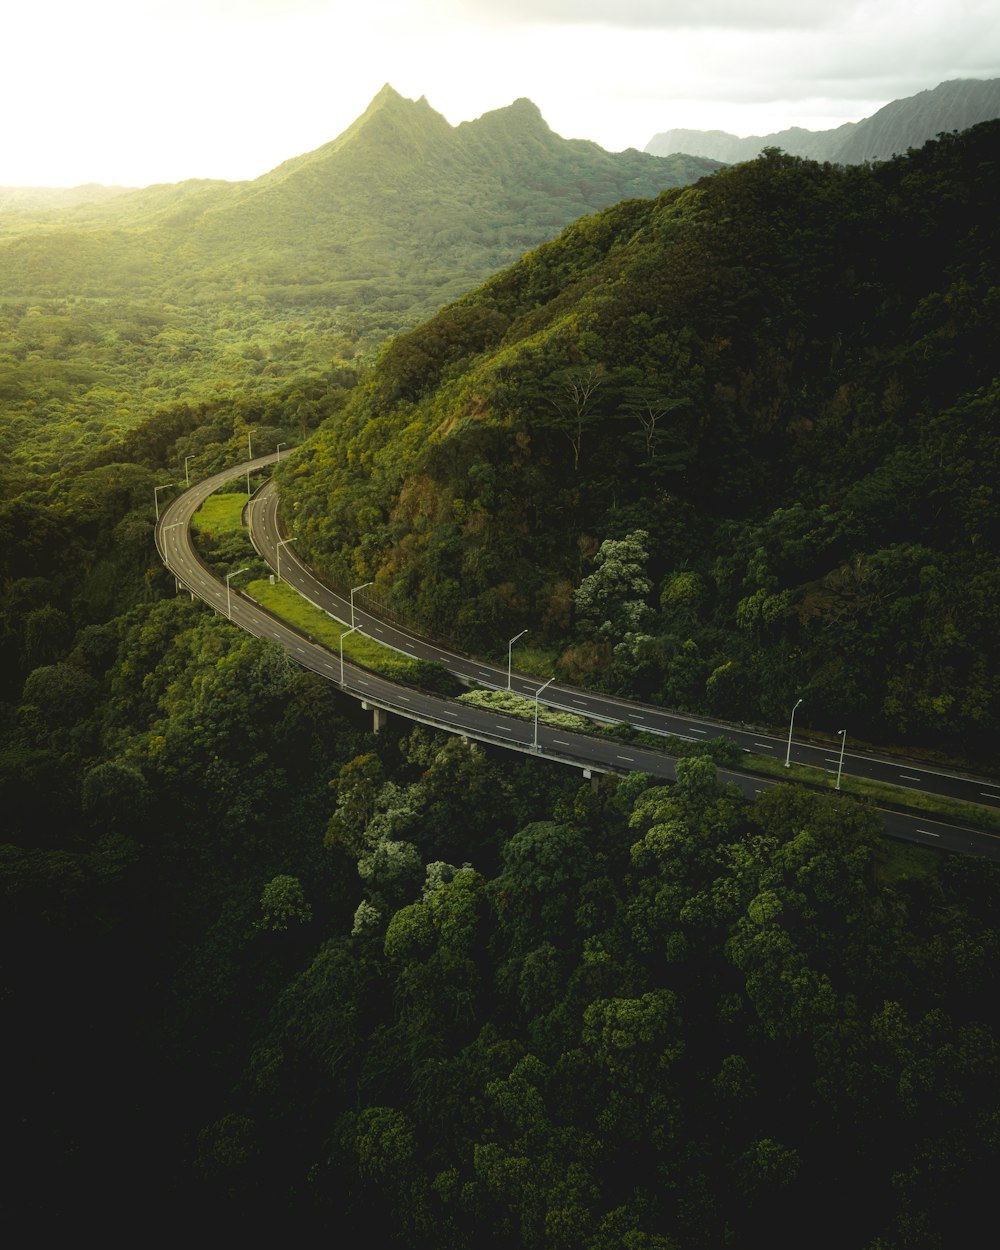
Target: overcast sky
[134, 92]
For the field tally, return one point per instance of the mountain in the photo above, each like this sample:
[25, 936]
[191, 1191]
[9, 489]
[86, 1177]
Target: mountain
[767, 402]
[893, 130]
[114, 304]
[401, 207]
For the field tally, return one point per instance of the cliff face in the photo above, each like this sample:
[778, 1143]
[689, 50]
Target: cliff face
[893, 130]
[909, 123]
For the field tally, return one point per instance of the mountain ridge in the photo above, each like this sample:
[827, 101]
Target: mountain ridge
[398, 188]
[898, 126]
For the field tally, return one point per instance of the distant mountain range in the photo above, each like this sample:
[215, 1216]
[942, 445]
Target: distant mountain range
[893, 130]
[402, 207]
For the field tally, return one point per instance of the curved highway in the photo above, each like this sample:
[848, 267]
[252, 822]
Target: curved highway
[590, 754]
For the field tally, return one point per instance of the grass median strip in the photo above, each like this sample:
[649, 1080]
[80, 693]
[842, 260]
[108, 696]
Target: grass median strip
[220, 515]
[287, 603]
[518, 705]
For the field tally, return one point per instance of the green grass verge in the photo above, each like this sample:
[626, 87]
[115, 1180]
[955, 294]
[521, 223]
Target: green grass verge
[878, 792]
[906, 861]
[537, 662]
[290, 606]
[220, 515]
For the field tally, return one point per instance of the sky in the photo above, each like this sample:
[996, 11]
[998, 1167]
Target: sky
[135, 92]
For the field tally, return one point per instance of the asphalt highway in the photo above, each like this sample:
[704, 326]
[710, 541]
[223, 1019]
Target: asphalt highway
[591, 755]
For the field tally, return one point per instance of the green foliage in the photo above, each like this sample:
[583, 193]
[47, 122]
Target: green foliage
[693, 369]
[490, 1007]
[259, 293]
[283, 901]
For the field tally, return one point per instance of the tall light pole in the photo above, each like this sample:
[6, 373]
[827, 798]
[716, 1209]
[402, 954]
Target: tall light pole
[278, 450]
[788, 753]
[249, 445]
[283, 543]
[843, 742]
[510, 646]
[229, 592]
[187, 476]
[537, 693]
[352, 630]
[356, 588]
[156, 496]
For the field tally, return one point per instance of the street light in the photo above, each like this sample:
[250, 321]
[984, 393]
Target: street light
[537, 693]
[361, 587]
[842, 733]
[229, 592]
[283, 543]
[187, 476]
[509, 648]
[249, 445]
[156, 497]
[788, 753]
[278, 450]
[352, 630]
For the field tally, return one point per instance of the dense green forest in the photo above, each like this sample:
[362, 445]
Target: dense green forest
[266, 974]
[722, 449]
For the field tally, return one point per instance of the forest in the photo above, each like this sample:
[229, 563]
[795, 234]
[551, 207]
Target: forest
[719, 450]
[265, 973]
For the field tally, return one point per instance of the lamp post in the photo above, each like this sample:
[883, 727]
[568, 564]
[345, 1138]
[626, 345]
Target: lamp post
[537, 693]
[187, 476]
[510, 646]
[156, 496]
[356, 588]
[249, 445]
[283, 543]
[278, 450]
[229, 592]
[352, 630]
[843, 742]
[788, 753]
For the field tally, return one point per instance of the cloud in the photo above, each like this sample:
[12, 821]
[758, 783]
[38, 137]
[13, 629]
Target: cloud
[652, 14]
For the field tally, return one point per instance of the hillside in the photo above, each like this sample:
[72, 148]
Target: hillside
[767, 405]
[133, 299]
[893, 130]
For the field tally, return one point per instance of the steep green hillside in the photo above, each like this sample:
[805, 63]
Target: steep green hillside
[774, 393]
[111, 308]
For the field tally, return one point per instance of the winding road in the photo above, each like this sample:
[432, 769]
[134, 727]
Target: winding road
[591, 755]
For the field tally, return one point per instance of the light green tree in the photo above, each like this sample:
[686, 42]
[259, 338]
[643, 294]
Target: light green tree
[283, 900]
[611, 602]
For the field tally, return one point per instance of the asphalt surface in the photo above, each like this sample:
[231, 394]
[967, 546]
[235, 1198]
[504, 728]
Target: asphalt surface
[592, 755]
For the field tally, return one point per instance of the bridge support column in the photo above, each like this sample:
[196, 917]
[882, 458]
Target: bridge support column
[380, 717]
[593, 778]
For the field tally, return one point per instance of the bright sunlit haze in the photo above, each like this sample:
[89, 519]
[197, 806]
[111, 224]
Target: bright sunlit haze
[134, 92]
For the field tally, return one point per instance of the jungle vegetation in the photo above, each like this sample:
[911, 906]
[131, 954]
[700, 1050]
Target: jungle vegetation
[264, 974]
[722, 449]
